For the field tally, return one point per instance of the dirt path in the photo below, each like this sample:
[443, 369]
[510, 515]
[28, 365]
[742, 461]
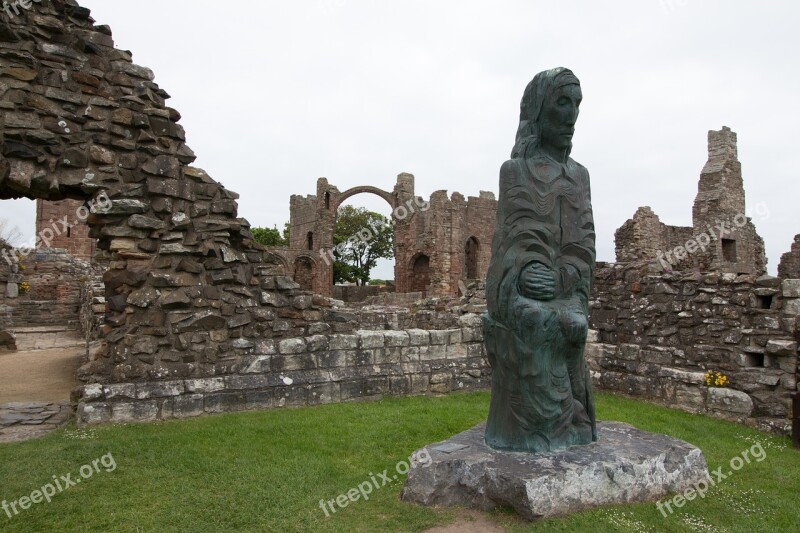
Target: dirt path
[39, 376]
[472, 522]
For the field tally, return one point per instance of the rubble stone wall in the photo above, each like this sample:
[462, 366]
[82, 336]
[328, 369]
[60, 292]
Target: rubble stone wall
[721, 239]
[437, 242]
[307, 371]
[789, 267]
[659, 333]
[187, 290]
[54, 281]
[62, 225]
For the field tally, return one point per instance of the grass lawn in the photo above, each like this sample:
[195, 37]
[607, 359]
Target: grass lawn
[267, 471]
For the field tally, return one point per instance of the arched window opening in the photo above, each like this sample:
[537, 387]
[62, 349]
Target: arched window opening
[421, 274]
[471, 253]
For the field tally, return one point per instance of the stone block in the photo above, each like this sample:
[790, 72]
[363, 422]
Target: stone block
[253, 381]
[317, 343]
[791, 307]
[781, 347]
[456, 351]
[370, 339]
[259, 399]
[420, 383]
[204, 386]
[333, 358]
[291, 396]
[289, 363]
[440, 337]
[791, 288]
[625, 466]
[142, 411]
[225, 402]
[292, 346]
[188, 405]
[343, 342]
[159, 389]
[396, 339]
[400, 385]
[419, 337]
[323, 394]
[410, 354]
[729, 401]
[93, 413]
[118, 391]
[432, 352]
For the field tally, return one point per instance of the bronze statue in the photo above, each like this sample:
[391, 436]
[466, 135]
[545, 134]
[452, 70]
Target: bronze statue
[539, 280]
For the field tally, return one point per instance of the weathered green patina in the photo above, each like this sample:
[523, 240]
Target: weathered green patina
[539, 280]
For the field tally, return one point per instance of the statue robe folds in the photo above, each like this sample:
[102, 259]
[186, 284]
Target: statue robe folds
[541, 388]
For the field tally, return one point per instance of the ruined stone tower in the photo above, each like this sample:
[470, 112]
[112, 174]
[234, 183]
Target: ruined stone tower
[50, 220]
[437, 243]
[721, 238]
[720, 202]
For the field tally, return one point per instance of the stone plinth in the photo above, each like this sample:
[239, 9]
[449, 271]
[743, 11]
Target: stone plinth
[626, 466]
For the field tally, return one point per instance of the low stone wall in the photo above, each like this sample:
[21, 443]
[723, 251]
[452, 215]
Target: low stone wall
[306, 371]
[54, 296]
[354, 293]
[659, 333]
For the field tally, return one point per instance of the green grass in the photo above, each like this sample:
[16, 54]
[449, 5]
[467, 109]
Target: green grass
[268, 471]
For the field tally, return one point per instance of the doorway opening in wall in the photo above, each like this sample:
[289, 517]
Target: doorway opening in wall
[44, 274]
[471, 255]
[729, 250]
[421, 274]
[363, 239]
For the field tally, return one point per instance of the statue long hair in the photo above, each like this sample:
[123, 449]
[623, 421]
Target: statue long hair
[529, 132]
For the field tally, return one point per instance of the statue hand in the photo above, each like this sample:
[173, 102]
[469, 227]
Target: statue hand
[537, 282]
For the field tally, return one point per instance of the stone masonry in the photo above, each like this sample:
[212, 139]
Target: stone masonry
[789, 267]
[437, 243]
[720, 200]
[659, 333]
[199, 317]
[75, 238]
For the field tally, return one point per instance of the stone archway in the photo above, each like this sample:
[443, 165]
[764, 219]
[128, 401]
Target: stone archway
[390, 198]
[187, 289]
[304, 273]
[471, 256]
[420, 274]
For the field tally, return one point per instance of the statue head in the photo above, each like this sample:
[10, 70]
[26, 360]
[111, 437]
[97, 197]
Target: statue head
[548, 113]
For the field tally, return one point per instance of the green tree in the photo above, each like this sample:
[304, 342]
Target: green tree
[271, 236]
[360, 238]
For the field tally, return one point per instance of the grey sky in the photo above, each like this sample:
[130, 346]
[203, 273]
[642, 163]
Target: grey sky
[276, 94]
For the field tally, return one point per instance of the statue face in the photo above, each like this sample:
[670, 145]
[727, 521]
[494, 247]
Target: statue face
[559, 114]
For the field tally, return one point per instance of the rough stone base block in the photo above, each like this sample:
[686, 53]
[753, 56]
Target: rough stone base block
[626, 466]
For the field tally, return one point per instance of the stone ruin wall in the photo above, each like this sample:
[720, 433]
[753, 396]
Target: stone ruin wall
[789, 267]
[658, 334]
[720, 199]
[431, 237]
[200, 319]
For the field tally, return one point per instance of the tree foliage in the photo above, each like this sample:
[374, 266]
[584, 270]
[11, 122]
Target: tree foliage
[271, 236]
[360, 238]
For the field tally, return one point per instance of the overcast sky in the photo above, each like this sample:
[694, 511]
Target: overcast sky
[276, 94]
